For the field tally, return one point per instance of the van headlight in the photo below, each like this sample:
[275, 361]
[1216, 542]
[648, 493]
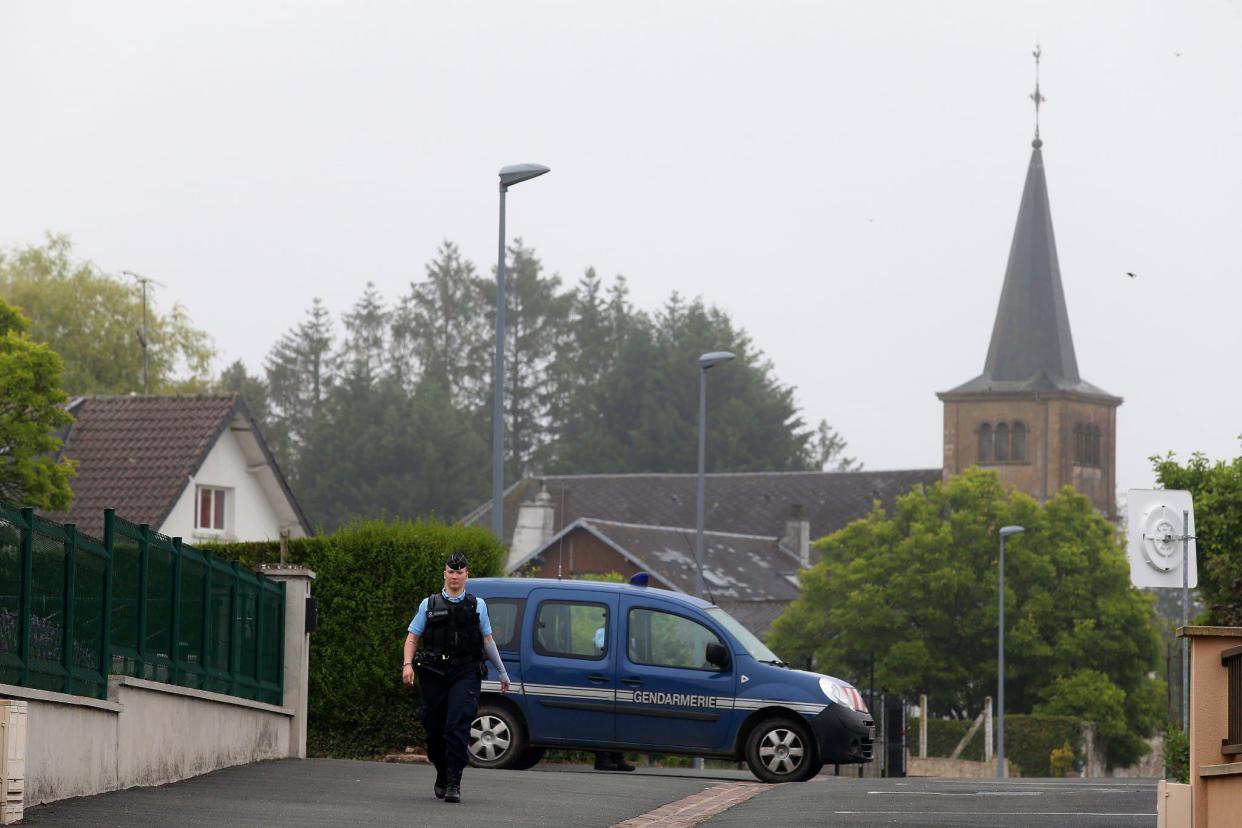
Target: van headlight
[835, 692]
[842, 693]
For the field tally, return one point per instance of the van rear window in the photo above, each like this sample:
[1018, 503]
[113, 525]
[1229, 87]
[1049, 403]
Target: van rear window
[506, 618]
[571, 629]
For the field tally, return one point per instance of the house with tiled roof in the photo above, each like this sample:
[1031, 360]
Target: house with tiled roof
[194, 467]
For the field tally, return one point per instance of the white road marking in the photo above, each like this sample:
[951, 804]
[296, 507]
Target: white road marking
[1001, 813]
[945, 793]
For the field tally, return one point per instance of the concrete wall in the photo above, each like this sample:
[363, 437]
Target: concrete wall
[146, 733]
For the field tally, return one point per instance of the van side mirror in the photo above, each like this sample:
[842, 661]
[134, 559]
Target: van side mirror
[718, 656]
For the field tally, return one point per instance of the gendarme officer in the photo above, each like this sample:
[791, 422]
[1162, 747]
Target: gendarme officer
[456, 635]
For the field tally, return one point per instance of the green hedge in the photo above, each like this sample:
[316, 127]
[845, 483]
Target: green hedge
[370, 577]
[1029, 739]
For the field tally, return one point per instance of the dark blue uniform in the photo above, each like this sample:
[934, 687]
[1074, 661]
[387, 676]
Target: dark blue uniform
[450, 674]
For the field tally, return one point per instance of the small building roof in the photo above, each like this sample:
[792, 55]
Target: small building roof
[136, 454]
[751, 503]
[735, 567]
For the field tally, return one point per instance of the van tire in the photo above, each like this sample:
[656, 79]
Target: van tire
[497, 738]
[780, 750]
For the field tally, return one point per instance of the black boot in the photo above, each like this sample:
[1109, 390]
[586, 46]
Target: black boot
[604, 761]
[441, 786]
[452, 792]
[619, 763]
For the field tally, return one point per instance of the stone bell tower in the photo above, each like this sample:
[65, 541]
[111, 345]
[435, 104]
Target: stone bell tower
[1030, 415]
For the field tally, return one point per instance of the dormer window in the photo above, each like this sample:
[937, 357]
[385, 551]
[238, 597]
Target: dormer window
[212, 506]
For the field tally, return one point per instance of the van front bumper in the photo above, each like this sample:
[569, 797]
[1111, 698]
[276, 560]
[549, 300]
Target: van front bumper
[843, 736]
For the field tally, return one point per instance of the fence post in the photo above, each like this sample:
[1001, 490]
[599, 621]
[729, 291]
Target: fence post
[66, 656]
[234, 630]
[175, 644]
[295, 582]
[105, 645]
[144, 548]
[258, 639]
[207, 614]
[23, 616]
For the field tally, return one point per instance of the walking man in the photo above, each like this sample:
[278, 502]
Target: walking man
[456, 635]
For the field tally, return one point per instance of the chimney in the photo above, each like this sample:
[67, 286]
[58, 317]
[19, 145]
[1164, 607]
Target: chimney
[797, 536]
[536, 521]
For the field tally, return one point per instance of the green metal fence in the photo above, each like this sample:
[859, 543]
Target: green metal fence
[76, 609]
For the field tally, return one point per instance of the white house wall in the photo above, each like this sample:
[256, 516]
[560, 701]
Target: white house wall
[249, 514]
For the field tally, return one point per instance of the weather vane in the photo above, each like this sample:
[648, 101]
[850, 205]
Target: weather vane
[1036, 96]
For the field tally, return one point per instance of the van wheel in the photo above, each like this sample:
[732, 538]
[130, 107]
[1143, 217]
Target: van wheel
[780, 750]
[497, 738]
[529, 759]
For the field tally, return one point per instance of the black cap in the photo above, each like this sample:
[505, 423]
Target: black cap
[456, 561]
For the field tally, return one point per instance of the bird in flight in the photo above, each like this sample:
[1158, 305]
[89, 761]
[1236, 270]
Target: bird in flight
[1131, 275]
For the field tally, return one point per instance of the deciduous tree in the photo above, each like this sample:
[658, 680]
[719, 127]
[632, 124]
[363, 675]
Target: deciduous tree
[917, 590]
[30, 413]
[1217, 492]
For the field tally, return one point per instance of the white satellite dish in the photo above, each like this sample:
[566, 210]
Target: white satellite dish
[1159, 554]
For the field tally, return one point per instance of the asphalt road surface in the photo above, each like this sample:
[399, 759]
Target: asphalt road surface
[321, 792]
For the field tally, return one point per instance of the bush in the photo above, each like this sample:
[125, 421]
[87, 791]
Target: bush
[1176, 755]
[370, 578]
[1061, 760]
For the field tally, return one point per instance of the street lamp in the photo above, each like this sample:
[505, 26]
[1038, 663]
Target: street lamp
[510, 175]
[706, 363]
[1005, 532]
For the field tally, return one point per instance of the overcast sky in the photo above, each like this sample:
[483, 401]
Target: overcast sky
[841, 178]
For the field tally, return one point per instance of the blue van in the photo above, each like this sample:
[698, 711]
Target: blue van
[616, 667]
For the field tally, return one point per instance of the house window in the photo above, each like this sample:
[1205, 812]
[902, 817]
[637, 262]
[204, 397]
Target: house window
[211, 506]
[985, 443]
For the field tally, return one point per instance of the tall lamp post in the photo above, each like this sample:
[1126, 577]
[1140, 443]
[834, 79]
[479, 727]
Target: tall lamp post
[510, 175]
[706, 363]
[1005, 532]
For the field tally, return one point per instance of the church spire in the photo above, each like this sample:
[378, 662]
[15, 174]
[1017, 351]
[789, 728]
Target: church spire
[1031, 347]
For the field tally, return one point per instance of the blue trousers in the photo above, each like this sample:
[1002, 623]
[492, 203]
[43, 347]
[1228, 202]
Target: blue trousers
[450, 702]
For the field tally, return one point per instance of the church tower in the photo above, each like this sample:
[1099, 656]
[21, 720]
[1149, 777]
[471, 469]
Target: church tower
[1030, 415]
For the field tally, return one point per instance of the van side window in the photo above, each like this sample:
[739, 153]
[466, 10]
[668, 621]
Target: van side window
[570, 629]
[506, 616]
[662, 639]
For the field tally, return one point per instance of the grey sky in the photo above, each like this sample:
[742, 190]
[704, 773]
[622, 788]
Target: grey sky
[842, 178]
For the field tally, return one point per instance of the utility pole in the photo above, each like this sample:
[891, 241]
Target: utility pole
[142, 333]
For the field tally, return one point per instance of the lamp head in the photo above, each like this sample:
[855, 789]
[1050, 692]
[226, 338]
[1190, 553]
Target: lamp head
[714, 358]
[1006, 531]
[517, 173]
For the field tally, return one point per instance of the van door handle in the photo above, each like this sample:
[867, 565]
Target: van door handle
[632, 682]
[597, 678]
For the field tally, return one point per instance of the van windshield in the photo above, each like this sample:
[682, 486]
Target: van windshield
[756, 648]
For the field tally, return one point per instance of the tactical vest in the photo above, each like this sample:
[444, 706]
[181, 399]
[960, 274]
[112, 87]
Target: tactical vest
[452, 634]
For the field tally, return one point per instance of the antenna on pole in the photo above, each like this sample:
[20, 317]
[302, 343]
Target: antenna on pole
[142, 333]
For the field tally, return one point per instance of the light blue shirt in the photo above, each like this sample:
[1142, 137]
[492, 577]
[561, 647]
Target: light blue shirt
[419, 624]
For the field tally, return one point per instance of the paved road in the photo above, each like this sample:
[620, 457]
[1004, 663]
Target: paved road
[321, 792]
[1034, 803]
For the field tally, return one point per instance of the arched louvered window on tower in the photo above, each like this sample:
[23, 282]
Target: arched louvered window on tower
[1000, 448]
[985, 443]
[1017, 441]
